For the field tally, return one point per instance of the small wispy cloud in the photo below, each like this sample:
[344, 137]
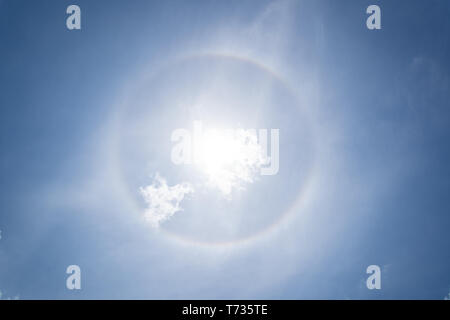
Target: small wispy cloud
[163, 200]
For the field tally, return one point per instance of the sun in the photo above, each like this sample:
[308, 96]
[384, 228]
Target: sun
[230, 158]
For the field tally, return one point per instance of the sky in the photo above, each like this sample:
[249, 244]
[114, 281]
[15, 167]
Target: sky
[89, 122]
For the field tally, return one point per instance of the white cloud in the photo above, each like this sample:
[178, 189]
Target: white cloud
[447, 297]
[163, 201]
[231, 160]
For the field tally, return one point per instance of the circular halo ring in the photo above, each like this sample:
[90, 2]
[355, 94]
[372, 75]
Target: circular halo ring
[306, 190]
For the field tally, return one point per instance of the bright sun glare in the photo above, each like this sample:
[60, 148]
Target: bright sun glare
[230, 158]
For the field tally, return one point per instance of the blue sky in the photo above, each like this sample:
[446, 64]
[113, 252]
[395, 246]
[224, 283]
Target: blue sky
[86, 120]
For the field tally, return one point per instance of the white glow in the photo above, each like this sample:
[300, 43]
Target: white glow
[230, 158]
